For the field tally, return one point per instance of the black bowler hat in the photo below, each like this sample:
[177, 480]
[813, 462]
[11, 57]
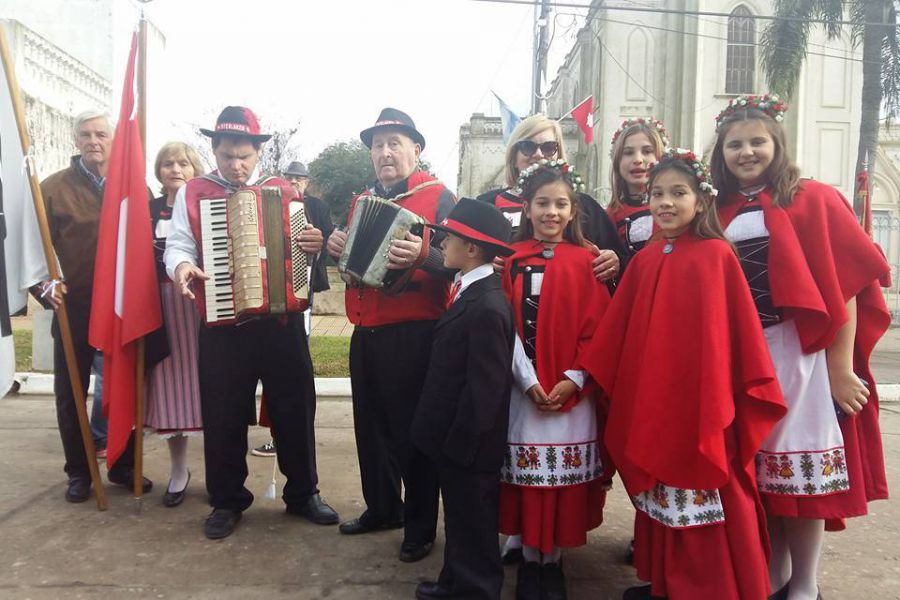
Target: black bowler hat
[479, 223]
[297, 169]
[391, 117]
[237, 121]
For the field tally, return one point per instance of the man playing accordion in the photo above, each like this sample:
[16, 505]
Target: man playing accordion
[238, 352]
[391, 342]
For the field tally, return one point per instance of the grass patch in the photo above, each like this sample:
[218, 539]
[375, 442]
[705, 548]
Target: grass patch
[22, 338]
[330, 355]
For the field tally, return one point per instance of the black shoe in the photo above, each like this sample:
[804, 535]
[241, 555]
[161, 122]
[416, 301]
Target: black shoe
[432, 590]
[528, 581]
[172, 499]
[315, 510]
[513, 556]
[366, 524]
[125, 477]
[641, 592]
[415, 551]
[553, 582]
[78, 490]
[220, 523]
[781, 594]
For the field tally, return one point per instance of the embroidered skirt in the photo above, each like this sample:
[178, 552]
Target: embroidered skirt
[173, 386]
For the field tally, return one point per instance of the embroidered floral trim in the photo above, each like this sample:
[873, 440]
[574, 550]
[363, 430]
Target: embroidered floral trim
[562, 166]
[772, 105]
[818, 473]
[551, 465]
[700, 168]
[680, 508]
[650, 122]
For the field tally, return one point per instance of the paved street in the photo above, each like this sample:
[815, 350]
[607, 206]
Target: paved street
[52, 549]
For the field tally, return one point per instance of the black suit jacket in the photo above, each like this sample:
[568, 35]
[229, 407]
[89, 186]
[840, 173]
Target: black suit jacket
[319, 214]
[463, 413]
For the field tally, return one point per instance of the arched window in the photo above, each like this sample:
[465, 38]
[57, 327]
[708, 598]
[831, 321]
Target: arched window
[740, 62]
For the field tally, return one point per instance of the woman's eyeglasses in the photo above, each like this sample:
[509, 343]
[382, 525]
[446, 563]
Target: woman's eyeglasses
[527, 147]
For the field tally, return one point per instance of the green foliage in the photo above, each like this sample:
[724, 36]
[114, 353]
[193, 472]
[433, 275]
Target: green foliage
[342, 170]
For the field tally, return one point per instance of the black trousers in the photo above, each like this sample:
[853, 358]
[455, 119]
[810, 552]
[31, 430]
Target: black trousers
[232, 360]
[66, 412]
[387, 372]
[472, 567]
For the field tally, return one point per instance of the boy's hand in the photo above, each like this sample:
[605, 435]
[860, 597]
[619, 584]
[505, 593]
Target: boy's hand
[560, 393]
[537, 395]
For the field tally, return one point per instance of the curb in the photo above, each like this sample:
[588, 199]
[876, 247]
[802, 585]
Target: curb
[41, 384]
[333, 388]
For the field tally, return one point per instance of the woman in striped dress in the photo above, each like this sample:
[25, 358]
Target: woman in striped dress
[173, 390]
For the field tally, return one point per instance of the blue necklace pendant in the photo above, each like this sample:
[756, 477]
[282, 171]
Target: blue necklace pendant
[547, 254]
[667, 249]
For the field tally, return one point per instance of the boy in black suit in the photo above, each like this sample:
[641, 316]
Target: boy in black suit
[462, 417]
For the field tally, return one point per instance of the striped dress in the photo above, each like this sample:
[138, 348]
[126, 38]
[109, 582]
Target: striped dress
[173, 388]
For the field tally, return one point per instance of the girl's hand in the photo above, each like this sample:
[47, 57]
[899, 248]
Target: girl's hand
[537, 395]
[561, 392]
[848, 391]
[499, 265]
[605, 264]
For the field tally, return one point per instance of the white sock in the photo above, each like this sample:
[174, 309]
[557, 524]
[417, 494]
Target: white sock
[805, 538]
[780, 563]
[513, 542]
[178, 454]
[531, 554]
[553, 556]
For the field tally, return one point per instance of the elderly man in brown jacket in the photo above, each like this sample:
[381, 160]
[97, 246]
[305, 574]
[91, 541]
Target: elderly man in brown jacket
[73, 198]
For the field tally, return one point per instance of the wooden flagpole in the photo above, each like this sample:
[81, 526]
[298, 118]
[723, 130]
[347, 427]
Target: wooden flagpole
[53, 268]
[139, 376]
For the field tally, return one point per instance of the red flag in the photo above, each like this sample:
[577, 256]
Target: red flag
[126, 294]
[584, 116]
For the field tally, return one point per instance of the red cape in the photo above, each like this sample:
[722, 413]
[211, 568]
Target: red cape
[820, 258]
[682, 361]
[572, 304]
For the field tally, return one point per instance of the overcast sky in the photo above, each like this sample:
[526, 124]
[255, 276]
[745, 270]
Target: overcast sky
[332, 65]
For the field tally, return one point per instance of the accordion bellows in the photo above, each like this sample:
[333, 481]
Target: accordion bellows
[248, 251]
[376, 222]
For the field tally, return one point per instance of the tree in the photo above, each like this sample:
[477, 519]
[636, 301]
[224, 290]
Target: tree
[874, 24]
[278, 151]
[339, 172]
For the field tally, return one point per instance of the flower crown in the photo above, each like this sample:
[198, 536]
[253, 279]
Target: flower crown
[650, 122]
[562, 166]
[772, 105]
[700, 168]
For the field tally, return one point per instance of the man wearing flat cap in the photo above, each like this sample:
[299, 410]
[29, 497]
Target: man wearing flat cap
[318, 213]
[391, 345]
[235, 357]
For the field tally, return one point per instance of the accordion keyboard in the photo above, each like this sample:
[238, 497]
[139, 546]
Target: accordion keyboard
[299, 259]
[216, 263]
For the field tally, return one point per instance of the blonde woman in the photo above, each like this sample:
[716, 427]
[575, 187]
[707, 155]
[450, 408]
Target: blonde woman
[536, 138]
[173, 389]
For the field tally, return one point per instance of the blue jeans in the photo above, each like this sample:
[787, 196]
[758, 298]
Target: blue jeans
[98, 421]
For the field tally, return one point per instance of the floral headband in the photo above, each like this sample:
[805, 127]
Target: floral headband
[772, 105]
[562, 166]
[650, 122]
[700, 168]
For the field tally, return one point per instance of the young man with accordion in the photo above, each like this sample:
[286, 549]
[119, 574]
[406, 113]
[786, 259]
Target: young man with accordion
[397, 289]
[239, 247]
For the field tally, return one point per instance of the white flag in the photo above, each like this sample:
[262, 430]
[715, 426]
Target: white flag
[23, 263]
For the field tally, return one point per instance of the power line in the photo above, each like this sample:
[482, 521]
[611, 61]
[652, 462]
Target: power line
[689, 13]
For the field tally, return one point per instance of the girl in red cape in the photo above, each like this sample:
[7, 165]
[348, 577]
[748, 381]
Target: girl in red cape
[814, 277]
[636, 145]
[692, 395]
[552, 487]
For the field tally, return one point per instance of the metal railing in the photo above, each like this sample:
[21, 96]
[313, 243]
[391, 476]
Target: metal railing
[886, 233]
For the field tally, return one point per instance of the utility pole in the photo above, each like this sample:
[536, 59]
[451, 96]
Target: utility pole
[541, 49]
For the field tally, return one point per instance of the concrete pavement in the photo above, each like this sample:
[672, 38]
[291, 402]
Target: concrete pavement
[51, 549]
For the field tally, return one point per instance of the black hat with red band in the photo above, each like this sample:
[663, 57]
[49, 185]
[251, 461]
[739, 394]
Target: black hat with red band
[479, 223]
[237, 121]
[395, 119]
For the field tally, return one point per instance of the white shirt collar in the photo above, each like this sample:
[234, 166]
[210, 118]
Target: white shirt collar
[472, 276]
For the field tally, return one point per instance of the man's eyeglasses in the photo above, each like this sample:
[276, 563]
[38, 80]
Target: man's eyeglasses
[527, 147]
